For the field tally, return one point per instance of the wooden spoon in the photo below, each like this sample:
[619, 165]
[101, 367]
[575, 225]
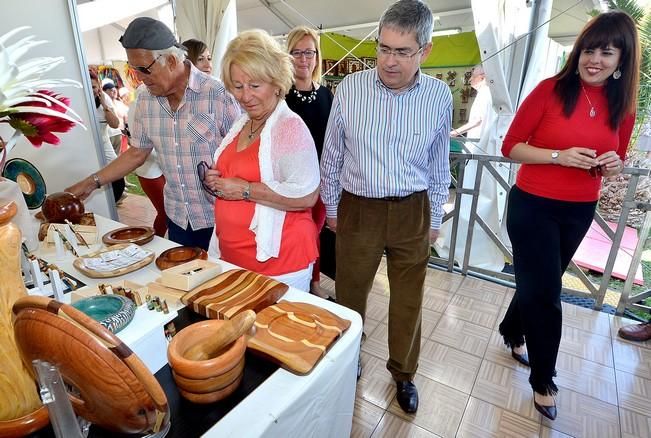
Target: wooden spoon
[227, 334]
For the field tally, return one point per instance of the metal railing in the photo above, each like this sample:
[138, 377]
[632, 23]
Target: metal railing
[486, 164]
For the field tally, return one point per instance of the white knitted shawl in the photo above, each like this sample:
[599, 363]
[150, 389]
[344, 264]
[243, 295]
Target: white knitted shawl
[288, 165]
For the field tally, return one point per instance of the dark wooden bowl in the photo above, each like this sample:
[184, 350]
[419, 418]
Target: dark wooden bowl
[137, 235]
[179, 255]
[60, 206]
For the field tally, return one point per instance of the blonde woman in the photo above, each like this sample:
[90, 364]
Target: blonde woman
[266, 174]
[312, 102]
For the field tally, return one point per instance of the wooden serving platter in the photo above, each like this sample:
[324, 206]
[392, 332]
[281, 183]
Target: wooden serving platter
[79, 264]
[233, 292]
[296, 335]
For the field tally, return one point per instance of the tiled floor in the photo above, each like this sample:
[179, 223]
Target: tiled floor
[468, 383]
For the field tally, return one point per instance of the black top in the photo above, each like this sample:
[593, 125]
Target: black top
[314, 113]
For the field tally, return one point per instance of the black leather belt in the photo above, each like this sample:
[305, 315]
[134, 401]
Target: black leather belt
[390, 198]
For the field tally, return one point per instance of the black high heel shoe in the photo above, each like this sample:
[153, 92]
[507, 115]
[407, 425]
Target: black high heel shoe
[546, 411]
[522, 358]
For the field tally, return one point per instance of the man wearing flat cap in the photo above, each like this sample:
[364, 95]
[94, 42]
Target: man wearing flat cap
[183, 114]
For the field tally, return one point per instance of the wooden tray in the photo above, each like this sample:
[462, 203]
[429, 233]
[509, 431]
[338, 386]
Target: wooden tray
[296, 335]
[137, 235]
[79, 264]
[234, 292]
[179, 255]
[115, 390]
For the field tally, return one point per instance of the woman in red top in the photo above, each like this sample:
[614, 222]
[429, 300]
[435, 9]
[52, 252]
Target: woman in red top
[266, 172]
[572, 129]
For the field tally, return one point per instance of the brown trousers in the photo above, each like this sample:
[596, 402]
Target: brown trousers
[366, 228]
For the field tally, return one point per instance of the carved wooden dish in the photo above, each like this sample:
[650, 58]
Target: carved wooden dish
[296, 335]
[137, 235]
[179, 255]
[111, 387]
[233, 292]
[79, 264]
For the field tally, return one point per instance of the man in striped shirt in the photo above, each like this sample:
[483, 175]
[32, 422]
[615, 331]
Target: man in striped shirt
[183, 114]
[385, 176]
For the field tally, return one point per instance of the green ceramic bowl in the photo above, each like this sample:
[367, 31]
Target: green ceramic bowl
[112, 311]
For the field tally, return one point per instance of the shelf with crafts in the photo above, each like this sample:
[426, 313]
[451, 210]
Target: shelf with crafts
[335, 72]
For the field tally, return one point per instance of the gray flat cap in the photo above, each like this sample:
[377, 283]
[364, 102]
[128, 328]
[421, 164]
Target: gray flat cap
[147, 33]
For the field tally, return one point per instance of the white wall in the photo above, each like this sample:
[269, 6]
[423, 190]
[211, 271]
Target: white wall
[78, 154]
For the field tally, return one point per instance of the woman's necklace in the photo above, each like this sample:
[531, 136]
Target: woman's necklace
[252, 131]
[593, 112]
[311, 97]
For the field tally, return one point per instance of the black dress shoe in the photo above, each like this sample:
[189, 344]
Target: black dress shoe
[546, 411]
[522, 358]
[407, 396]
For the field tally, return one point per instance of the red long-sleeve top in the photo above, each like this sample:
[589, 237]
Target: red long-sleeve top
[540, 122]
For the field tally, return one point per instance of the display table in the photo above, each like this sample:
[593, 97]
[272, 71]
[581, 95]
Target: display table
[319, 404]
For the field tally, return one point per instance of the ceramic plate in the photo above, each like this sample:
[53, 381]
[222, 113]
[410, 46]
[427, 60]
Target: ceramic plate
[112, 311]
[29, 179]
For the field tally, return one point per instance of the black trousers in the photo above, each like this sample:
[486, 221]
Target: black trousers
[545, 234]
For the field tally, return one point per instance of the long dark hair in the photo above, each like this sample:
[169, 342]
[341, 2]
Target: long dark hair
[617, 29]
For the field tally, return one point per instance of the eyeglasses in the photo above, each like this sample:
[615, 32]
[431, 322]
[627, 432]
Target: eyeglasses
[401, 54]
[145, 70]
[202, 168]
[309, 54]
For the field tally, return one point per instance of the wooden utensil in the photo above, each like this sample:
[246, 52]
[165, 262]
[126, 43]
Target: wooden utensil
[228, 333]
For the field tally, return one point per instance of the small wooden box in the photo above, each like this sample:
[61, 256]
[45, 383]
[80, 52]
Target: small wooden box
[189, 275]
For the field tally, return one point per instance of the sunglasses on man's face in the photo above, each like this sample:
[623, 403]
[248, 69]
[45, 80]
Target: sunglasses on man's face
[202, 169]
[144, 70]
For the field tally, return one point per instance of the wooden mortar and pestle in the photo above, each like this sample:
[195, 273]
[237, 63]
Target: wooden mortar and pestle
[228, 333]
[207, 358]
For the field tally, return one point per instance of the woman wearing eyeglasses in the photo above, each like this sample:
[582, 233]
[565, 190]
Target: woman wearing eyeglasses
[571, 130]
[312, 102]
[199, 55]
[266, 171]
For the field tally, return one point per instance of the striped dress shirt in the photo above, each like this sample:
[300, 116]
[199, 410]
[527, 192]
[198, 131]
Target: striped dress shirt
[380, 143]
[182, 139]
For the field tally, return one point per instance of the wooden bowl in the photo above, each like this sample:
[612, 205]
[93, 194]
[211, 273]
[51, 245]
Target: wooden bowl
[179, 255]
[26, 424]
[211, 384]
[211, 397]
[111, 386]
[137, 235]
[60, 206]
[114, 312]
[203, 369]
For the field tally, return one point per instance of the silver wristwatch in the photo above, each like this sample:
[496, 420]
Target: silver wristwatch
[555, 156]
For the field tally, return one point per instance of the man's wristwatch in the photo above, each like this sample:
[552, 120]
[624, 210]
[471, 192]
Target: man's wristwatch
[555, 156]
[96, 180]
[246, 193]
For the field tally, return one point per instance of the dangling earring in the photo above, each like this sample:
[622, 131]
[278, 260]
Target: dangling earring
[617, 74]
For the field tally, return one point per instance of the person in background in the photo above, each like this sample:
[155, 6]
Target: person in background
[482, 104]
[199, 55]
[115, 134]
[266, 172]
[571, 130]
[312, 102]
[183, 114]
[108, 119]
[385, 176]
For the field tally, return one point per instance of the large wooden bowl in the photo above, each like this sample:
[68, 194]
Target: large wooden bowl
[26, 424]
[138, 235]
[60, 206]
[111, 386]
[179, 255]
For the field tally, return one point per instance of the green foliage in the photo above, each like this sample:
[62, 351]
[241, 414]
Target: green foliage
[643, 19]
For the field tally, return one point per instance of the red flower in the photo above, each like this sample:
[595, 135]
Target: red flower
[39, 128]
